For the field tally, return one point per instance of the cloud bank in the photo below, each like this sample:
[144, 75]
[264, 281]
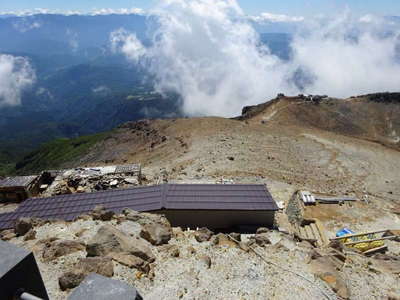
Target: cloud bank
[206, 51]
[16, 74]
[93, 12]
[276, 18]
[344, 57]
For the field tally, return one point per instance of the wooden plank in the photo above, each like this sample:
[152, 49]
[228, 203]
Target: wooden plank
[370, 251]
[303, 233]
[321, 230]
[316, 233]
[371, 240]
[309, 232]
[357, 234]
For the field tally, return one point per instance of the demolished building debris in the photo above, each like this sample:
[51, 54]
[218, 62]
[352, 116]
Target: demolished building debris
[86, 180]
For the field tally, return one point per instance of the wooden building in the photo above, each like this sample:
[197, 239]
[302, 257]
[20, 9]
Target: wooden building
[19, 188]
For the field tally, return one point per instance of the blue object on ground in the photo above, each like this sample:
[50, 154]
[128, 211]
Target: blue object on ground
[343, 232]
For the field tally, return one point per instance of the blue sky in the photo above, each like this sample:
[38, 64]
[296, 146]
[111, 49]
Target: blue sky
[289, 7]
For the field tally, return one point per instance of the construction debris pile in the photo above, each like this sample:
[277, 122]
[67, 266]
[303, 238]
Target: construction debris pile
[86, 180]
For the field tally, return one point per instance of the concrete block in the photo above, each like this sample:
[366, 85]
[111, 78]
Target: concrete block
[102, 288]
[19, 272]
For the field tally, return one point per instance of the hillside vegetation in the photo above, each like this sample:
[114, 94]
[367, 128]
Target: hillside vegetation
[57, 153]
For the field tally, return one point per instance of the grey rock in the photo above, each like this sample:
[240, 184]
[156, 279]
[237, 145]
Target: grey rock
[156, 233]
[101, 288]
[131, 180]
[70, 280]
[23, 225]
[108, 239]
[58, 248]
[262, 230]
[203, 235]
[99, 265]
[262, 239]
[129, 260]
[236, 236]
[223, 240]
[8, 234]
[101, 213]
[30, 235]
[145, 218]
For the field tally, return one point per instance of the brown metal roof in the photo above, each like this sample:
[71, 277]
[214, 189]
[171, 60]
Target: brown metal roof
[148, 198]
[218, 197]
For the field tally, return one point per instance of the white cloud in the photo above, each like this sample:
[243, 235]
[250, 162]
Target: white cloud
[94, 12]
[24, 24]
[72, 39]
[206, 51]
[276, 18]
[120, 11]
[127, 43]
[43, 92]
[16, 74]
[101, 90]
[345, 57]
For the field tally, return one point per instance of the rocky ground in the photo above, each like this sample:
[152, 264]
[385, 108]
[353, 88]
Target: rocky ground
[169, 263]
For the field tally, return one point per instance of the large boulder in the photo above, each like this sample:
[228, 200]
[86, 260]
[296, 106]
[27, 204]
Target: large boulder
[203, 235]
[156, 233]
[109, 239]
[58, 248]
[101, 213]
[70, 280]
[129, 260]
[23, 225]
[145, 218]
[99, 265]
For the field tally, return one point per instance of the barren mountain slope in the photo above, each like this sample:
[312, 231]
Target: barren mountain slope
[289, 143]
[370, 117]
[332, 147]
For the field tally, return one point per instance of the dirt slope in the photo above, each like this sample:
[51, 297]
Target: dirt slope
[335, 147]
